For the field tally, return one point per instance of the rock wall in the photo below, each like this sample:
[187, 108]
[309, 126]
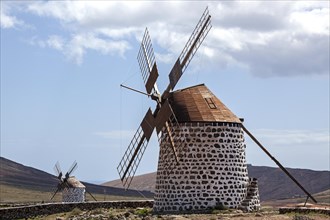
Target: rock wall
[251, 202]
[305, 210]
[52, 208]
[73, 194]
[212, 171]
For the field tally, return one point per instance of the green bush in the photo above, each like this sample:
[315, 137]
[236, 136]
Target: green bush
[142, 212]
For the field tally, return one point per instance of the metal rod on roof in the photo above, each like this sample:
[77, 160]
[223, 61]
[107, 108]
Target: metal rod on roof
[135, 90]
[278, 164]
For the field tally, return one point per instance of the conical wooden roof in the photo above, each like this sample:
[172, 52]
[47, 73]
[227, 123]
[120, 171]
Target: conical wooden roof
[199, 104]
[74, 182]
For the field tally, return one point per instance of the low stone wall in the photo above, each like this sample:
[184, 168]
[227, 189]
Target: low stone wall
[52, 208]
[304, 210]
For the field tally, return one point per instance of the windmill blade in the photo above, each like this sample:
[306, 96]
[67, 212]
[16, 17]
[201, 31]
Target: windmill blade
[73, 167]
[197, 37]
[91, 195]
[55, 192]
[133, 154]
[173, 144]
[278, 164]
[147, 63]
[58, 170]
[163, 122]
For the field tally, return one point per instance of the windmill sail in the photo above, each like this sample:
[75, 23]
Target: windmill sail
[173, 143]
[54, 192]
[58, 170]
[163, 117]
[73, 167]
[147, 63]
[197, 37]
[133, 154]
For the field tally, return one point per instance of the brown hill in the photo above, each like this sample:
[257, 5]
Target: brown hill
[273, 183]
[16, 175]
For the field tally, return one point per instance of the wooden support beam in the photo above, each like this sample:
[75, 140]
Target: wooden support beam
[278, 164]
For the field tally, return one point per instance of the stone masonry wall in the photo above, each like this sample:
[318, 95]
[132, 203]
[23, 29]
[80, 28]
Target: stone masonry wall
[213, 170]
[251, 202]
[73, 195]
[52, 208]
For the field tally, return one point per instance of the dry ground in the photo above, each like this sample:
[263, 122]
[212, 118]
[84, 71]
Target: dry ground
[146, 214]
[16, 196]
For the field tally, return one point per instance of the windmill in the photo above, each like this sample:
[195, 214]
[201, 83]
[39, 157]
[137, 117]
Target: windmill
[202, 160]
[163, 118]
[72, 189]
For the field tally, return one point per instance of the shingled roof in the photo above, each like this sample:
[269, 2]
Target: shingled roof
[199, 104]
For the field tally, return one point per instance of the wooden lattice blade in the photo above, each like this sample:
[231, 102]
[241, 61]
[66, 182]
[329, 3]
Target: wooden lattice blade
[73, 167]
[57, 169]
[172, 141]
[197, 37]
[55, 192]
[147, 63]
[133, 154]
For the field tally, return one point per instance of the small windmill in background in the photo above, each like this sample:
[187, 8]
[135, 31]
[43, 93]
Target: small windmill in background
[72, 189]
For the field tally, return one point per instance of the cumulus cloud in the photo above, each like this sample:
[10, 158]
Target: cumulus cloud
[77, 46]
[55, 42]
[268, 38]
[7, 20]
[282, 55]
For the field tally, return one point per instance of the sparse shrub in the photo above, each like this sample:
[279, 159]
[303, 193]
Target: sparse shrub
[142, 212]
[97, 211]
[111, 215]
[301, 217]
[266, 209]
[75, 211]
[219, 208]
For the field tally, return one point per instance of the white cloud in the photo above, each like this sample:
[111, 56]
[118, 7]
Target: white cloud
[286, 55]
[6, 20]
[313, 17]
[293, 137]
[79, 43]
[76, 47]
[165, 57]
[269, 38]
[55, 42]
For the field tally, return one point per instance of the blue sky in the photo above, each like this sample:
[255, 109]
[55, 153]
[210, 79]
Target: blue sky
[62, 63]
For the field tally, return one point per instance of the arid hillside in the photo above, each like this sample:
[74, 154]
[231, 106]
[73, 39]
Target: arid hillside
[273, 183]
[15, 177]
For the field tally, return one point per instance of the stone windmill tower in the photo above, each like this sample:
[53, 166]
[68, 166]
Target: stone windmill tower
[72, 189]
[212, 169]
[202, 160]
